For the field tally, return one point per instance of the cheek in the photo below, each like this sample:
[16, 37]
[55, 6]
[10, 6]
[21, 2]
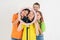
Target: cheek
[38, 17]
[26, 13]
[30, 16]
[22, 13]
[35, 8]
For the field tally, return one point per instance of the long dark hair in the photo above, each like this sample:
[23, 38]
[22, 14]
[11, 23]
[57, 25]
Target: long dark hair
[41, 19]
[26, 9]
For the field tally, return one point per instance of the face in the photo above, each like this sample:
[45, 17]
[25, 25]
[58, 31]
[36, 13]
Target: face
[38, 16]
[24, 13]
[36, 7]
[31, 15]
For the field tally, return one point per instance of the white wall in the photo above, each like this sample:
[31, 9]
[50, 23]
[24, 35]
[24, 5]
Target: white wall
[49, 8]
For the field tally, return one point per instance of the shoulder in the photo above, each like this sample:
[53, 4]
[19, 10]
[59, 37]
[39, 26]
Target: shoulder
[15, 14]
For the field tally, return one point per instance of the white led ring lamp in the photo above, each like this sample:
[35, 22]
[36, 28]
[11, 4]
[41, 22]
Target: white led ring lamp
[23, 21]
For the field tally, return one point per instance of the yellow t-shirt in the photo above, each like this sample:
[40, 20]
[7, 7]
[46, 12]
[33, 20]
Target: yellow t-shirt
[31, 32]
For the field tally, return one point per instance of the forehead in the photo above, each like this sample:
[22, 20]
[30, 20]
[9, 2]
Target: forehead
[38, 13]
[31, 12]
[24, 11]
[36, 6]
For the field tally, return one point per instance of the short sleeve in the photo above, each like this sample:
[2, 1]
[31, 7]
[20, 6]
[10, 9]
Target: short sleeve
[14, 17]
[43, 26]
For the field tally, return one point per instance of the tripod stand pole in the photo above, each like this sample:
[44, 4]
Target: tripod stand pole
[27, 33]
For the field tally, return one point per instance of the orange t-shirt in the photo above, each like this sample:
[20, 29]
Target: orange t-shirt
[15, 33]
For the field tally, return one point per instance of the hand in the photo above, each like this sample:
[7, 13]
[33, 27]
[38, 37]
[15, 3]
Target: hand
[19, 27]
[15, 22]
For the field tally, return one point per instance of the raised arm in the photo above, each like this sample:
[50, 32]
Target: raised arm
[15, 19]
[38, 29]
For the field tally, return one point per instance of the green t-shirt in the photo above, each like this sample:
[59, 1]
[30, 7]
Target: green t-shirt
[42, 26]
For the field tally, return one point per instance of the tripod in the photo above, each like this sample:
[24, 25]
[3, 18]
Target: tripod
[27, 33]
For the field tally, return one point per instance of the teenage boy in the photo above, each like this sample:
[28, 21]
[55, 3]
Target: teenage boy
[36, 7]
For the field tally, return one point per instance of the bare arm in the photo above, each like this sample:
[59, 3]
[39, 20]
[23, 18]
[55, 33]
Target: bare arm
[40, 31]
[37, 26]
[19, 27]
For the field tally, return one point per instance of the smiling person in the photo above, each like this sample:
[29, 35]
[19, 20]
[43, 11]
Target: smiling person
[39, 24]
[36, 6]
[40, 28]
[17, 35]
[31, 16]
[24, 15]
[31, 28]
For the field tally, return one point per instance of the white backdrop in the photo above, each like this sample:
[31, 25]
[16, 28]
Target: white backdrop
[49, 8]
